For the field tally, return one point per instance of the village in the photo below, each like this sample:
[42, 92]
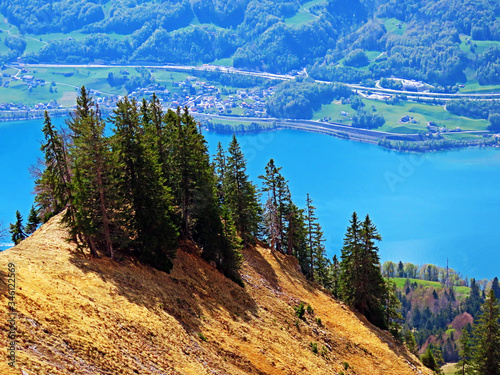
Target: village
[198, 96]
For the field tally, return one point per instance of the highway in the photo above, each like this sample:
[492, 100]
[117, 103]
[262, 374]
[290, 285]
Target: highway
[282, 77]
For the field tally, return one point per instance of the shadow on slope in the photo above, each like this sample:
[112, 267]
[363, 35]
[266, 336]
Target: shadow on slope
[191, 287]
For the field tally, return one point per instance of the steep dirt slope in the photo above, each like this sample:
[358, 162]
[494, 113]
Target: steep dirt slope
[79, 316]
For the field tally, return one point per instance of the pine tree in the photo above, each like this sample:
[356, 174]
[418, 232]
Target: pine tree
[220, 171]
[241, 195]
[392, 304]
[310, 222]
[487, 338]
[335, 276]
[430, 359]
[271, 222]
[147, 211]
[297, 237]
[362, 285]
[33, 221]
[17, 229]
[91, 183]
[496, 288]
[464, 365]
[277, 188]
[52, 185]
[411, 344]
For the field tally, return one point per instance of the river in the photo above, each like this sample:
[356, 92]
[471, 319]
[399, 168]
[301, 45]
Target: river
[427, 207]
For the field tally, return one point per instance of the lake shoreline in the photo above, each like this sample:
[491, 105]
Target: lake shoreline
[404, 142]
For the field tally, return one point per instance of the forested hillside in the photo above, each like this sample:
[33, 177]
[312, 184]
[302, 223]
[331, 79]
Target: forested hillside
[444, 42]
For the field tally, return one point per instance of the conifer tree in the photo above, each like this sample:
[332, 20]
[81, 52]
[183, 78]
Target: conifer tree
[496, 288]
[487, 338]
[310, 222]
[91, 183]
[33, 221]
[411, 344]
[241, 195]
[52, 185]
[17, 229]
[277, 188]
[362, 285]
[335, 276]
[297, 237]
[464, 364]
[147, 212]
[392, 304]
[220, 171]
[271, 222]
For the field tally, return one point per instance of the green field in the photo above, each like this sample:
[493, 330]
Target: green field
[303, 15]
[400, 283]
[421, 113]
[391, 25]
[333, 111]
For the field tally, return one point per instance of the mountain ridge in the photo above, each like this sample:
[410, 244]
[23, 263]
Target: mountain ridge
[100, 316]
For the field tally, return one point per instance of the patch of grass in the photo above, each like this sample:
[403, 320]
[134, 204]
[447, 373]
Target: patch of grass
[202, 336]
[372, 55]
[228, 61]
[459, 290]
[395, 26]
[422, 113]
[303, 15]
[314, 347]
[483, 45]
[333, 111]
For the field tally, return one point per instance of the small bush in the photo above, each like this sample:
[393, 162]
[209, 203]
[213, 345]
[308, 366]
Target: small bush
[202, 336]
[300, 310]
[314, 347]
[346, 365]
[309, 309]
[318, 321]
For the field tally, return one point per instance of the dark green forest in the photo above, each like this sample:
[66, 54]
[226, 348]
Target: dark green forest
[438, 42]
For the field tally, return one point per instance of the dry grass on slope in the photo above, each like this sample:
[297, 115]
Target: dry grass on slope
[79, 316]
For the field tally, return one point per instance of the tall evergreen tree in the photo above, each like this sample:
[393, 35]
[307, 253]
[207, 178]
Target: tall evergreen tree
[463, 366]
[146, 202]
[271, 221]
[241, 195]
[91, 183]
[487, 338]
[391, 306]
[411, 344]
[220, 171]
[310, 222]
[362, 285]
[33, 221]
[277, 188]
[297, 237]
[52, 185]
[496, 288]
[17, 229]
[335, 276]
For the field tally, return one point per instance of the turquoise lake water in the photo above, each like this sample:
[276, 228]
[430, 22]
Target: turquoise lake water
[427, 207]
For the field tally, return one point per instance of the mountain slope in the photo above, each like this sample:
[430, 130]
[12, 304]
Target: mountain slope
[104, 317]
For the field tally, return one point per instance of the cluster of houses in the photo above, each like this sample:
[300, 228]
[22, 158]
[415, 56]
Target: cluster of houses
[23, 107]
[202, 97]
